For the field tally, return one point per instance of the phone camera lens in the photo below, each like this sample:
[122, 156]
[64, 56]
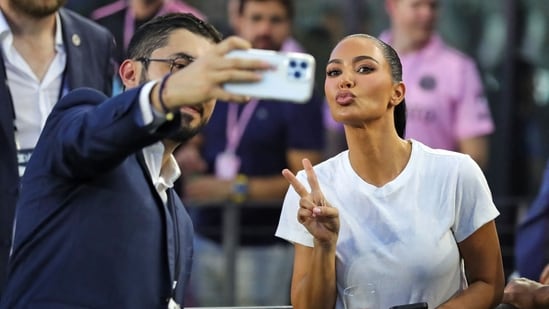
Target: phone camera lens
[297, 74]
[293, 64]
[303, 65]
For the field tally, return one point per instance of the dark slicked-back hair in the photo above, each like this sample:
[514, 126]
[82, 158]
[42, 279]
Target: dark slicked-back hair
[287, 4]
[154, 34]
[393, 59]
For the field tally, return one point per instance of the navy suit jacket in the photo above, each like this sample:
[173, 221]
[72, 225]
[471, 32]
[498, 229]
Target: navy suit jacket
[89, 50]
[91, 230]
[532, 235]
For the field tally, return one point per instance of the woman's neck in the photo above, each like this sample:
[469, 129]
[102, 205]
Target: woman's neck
[377, 157]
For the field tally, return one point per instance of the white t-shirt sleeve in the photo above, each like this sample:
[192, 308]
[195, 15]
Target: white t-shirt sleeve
[289, 227]
[474, 204]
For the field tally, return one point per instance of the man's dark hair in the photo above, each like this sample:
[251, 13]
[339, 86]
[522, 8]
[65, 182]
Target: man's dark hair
[393, 59]
[287, 4]
[154, 34]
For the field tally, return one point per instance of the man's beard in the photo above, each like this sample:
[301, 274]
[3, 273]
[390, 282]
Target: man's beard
[37, 8]
[185, 132]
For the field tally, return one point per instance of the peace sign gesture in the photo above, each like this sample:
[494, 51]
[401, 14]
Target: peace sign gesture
[315, 213]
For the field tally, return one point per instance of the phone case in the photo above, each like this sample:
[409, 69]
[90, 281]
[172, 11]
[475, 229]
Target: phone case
[292, 78]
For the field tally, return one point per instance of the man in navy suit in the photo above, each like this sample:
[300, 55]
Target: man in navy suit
[98, 224]
[532, 235]
[46, 51]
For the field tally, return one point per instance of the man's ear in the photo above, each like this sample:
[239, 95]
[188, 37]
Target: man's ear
[130, 72]
[399, 90]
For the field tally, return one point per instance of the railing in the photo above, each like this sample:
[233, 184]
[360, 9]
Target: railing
[230, 236]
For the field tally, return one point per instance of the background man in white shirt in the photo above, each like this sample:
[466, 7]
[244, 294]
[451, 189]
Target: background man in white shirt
[46, 51]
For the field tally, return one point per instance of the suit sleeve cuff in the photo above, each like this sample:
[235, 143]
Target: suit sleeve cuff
[151, 118]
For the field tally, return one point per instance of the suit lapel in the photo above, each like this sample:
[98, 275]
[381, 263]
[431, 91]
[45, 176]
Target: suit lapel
[6, 109]
[147, 174]
[172, 234]
[72, 37]
[168, 218]
[539, 209]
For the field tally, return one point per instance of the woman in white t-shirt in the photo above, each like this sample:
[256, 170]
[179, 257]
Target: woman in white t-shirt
[409, 219]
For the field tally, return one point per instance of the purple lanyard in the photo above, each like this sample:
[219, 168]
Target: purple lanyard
[236, 126]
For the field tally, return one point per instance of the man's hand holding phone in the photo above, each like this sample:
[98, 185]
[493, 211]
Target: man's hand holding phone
[291, 78]
[203, 79]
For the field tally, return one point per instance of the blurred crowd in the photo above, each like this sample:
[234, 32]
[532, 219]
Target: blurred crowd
[506, 41]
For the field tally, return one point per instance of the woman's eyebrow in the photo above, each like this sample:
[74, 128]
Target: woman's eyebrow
[355, 59]
[364, 57]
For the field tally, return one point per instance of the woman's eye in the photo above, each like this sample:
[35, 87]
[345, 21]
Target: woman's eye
[365, 69]
[332, 72]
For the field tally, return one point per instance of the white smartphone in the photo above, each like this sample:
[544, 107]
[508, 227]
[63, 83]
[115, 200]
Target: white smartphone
[291, 79]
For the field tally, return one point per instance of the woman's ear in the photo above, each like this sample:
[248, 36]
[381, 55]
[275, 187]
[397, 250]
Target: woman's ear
[129, 72]
[399, 89]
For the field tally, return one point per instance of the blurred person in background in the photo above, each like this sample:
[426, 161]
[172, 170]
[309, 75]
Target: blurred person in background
[290, 44]
[532, 236]
[447, 108]
[122, 17]
[256, 141]
[506, 45]
[46, 51]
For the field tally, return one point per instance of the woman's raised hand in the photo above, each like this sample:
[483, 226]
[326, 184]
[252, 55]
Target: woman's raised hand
[315, 213]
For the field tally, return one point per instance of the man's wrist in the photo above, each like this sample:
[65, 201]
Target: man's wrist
[158, 101]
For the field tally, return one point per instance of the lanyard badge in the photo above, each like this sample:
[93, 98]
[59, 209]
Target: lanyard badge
[227, 163]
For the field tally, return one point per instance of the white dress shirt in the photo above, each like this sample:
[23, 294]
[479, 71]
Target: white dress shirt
[33, 99]
[163, 177]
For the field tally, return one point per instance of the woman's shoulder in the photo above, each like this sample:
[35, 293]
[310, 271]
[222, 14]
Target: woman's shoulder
[444, 160]
[438, 154]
